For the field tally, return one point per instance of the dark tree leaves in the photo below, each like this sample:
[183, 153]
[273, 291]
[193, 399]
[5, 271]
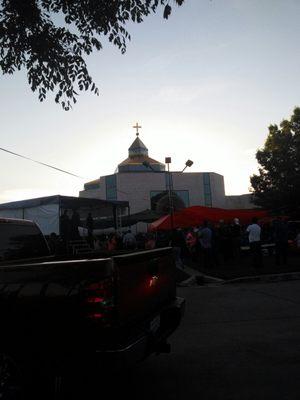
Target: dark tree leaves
[51, 39]
[277, 186]
[167, 11]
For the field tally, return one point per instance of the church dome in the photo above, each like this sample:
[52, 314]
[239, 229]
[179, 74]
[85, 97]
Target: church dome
[137, 148]
[138, 159]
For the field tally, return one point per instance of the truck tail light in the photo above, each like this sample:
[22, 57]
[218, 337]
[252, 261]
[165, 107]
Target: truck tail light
[99, 302]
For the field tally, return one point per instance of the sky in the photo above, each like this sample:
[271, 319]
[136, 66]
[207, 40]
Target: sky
[204, 85]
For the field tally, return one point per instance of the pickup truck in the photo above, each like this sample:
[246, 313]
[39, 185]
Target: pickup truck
[59, 315]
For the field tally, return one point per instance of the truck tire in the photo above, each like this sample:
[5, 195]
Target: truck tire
[12, 385]
[23, 380]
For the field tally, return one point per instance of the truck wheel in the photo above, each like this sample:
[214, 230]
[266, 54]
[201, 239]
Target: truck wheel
[11, 382]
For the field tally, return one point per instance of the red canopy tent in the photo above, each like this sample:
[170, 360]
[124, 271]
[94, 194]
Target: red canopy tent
[194, 216]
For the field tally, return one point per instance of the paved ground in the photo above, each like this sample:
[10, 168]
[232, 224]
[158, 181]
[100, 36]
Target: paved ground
[243, 267]
[237, 342]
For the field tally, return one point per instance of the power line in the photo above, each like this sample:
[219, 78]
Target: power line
[41, 163]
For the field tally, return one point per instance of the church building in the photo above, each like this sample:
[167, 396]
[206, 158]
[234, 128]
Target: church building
[147, 184]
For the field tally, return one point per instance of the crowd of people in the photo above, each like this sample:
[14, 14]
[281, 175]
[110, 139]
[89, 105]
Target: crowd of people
[126, 241]
[69, 232]
[213, 244]
[208, 245]
[217, 244]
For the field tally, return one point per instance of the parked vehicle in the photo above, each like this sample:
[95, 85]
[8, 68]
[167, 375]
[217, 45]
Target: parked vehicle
[294, 236]
[57, 315]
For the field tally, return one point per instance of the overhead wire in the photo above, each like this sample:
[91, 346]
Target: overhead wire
[49, 166]
[41, 163]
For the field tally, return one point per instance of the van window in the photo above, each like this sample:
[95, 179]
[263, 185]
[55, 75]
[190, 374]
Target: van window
[19, 241]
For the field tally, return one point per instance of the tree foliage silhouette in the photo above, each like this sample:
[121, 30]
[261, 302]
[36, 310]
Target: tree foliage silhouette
[277, 186]
[51, 39]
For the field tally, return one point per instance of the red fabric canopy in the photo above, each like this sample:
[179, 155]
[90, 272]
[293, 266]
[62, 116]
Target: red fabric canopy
[194, 216]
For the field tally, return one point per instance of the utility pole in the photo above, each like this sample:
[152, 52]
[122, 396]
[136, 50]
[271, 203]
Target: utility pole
[169, 187]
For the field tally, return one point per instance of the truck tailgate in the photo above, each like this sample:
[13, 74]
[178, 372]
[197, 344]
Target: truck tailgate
[47, 296]
[144, 282]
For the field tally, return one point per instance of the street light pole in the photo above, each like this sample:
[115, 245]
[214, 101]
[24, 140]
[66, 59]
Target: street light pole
[188, 163]
[169, 182]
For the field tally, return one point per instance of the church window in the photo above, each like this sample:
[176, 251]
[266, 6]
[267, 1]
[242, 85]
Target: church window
[207, 190]
[111, 187]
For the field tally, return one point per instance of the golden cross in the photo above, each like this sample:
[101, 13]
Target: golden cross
[137, 126]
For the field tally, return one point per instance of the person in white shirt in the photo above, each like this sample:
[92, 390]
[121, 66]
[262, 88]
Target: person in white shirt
[129, 241]
[254, 232]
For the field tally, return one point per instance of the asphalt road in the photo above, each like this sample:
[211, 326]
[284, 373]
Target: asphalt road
[237, 341]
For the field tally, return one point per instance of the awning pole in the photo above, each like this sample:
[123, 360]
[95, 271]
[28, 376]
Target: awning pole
[115, 217]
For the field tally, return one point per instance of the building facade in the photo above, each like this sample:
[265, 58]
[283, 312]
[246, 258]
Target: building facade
[145, 184]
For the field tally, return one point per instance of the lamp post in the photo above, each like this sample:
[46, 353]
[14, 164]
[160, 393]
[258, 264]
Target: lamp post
[169, 183]
[188, 163]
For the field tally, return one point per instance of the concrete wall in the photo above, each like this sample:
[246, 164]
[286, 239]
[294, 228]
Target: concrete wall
[91, 194]
[191, 181]
[135, 187]
[217, 190]
[242, 201]
[95, 193]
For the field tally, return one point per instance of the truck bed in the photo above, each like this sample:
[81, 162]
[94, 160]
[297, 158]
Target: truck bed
[55, 301]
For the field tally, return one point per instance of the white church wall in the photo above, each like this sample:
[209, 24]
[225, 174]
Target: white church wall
[191, 181]
[242, 201]
[217, 190]
[92, 194]
[99, 193]
[136, 188]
